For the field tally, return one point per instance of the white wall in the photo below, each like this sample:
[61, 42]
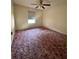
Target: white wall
[21, 17]
[55, 18]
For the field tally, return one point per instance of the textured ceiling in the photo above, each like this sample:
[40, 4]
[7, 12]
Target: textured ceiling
[28, 3]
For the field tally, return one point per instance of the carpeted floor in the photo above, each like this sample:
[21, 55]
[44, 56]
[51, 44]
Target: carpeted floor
[39, 43]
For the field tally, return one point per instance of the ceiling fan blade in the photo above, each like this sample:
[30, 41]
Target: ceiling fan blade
[46, 4]
[36, 6]
[43, 7]
[41, 1]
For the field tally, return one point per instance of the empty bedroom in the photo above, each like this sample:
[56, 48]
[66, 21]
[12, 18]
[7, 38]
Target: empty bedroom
[39, 29]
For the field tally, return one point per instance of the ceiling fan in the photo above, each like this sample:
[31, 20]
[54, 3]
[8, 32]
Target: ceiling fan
[41, 5]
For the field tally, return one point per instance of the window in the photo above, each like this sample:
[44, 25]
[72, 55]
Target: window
[31, 17]
[31, 21]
